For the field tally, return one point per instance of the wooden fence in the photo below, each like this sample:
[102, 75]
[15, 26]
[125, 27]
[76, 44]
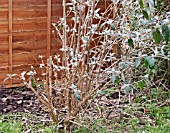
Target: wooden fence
[25, 33]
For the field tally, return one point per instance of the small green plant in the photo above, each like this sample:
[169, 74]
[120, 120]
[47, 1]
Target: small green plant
[14, 123]
[9, 127]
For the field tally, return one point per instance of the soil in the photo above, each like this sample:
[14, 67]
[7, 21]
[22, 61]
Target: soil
[23, 100]
[19, 100]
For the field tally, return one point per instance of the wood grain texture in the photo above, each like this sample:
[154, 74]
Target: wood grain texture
[10, 62]
[4, 3]
[25, 35]
[3, 13]
[3, 72]
[3, 26]
[29, 36]
[4, 38]
[29, 25]
[48, 28]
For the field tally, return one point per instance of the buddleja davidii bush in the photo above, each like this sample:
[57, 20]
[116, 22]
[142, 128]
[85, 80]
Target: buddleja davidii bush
[71, 79]
[144, 36]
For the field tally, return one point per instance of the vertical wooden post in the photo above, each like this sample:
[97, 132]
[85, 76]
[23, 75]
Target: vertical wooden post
[48, 28]
[10, 37]
[64, 34]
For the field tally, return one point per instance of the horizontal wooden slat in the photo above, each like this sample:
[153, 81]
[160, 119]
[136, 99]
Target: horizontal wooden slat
[25, 66]
[29, 24]
[57, 10]
[25, 13]
[27, 57]
[29, 36]
[4, 68]
[3, 3]
[29, 45]
[4, 48]
[3, 13]
[3, 26]
[26, 46]
[56, 43]
[23, 57]
[28, 2]
[4, 38]
[18, 69]
[59, 2]
[39, 1]
[3, 58]
[11, 86]
[3, 73]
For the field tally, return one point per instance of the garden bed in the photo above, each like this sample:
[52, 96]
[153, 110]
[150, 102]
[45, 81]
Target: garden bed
[22, 112]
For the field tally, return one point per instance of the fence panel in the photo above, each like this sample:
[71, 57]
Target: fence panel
[25, 33]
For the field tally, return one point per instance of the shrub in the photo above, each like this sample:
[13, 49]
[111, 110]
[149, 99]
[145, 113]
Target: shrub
[88, 63]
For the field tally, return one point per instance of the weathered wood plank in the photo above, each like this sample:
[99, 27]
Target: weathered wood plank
[3, 3]
[48, 28]
[4, 58]
[24, 25]
[2, 77]
[29, 46]
[28, 57]
[3, 48]
[4, 14]
[10, 62]
[29, 2]
[29, 25]
[30, 36]
[4, 38]
[25, 13]
[3, 26]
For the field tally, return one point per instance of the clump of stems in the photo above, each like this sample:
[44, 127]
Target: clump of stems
[86, 33]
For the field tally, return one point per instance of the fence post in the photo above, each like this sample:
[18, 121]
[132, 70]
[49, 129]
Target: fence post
[48, 28]
[10, 37]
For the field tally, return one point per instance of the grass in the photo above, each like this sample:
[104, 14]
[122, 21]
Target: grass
[161, 124]
[22, 122]
[149, 113]
[10, 127]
